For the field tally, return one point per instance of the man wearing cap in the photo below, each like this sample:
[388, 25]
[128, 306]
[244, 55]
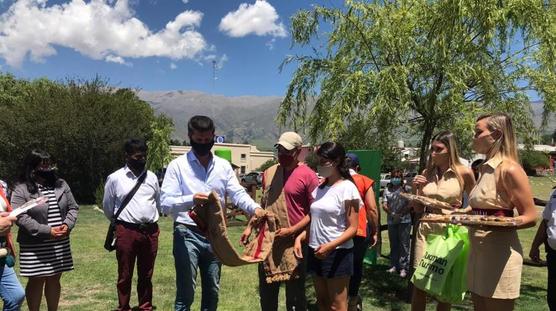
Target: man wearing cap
[287, 188]
[366, 230]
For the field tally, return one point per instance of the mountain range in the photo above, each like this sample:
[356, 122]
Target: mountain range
[241, 119]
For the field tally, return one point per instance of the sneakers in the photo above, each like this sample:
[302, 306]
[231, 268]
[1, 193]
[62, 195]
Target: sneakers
[403, 274]
[391, 270]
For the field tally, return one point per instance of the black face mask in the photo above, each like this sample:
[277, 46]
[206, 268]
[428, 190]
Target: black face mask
[201, 149]
[137, 165]
[48, 175]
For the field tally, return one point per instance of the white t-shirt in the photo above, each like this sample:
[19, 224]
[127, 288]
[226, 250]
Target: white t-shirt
[328, 213]
[549, 214]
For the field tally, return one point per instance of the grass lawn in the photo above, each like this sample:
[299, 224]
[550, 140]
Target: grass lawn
[92, 285]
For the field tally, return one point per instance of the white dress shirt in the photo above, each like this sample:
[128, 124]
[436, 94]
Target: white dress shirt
[144, 207]
[549, 214]
[186, 176]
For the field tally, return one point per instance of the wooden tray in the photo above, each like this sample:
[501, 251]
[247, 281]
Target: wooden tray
[473, 220]
[429, 202]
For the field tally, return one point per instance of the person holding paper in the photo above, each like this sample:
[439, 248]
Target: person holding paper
[11, 290]
[186, 183]
[44, 231]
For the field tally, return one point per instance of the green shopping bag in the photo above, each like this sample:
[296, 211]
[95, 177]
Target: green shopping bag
[455, 286]
[441, 253]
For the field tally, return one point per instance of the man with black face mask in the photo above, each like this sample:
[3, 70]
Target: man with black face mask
[187, 182]
[287, 188]
[136, 226]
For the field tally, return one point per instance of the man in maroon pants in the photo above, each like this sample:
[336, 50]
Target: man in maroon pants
[136, 227]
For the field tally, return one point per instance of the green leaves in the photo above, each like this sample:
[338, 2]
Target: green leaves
[437, 63]
[82, 124]
[159, 143]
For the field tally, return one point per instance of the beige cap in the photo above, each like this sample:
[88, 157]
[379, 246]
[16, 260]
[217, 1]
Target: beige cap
[290, 140]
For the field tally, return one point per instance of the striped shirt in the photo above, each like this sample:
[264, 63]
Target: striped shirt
[47, 257]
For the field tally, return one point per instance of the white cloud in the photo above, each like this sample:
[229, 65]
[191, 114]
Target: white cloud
[173, 66]
[117, 60]
[259, 18]
[100, 29]
[185, 1]
[270, 44]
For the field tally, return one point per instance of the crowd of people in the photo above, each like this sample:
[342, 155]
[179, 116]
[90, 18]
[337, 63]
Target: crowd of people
[328, 219]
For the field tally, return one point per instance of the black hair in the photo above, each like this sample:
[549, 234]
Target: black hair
[200, 124]
[32, 160]
[133, 145]
[335, 152]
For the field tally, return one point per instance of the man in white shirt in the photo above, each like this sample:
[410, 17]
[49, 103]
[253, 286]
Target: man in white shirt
[186, 183]
[136, 226]
[546, 234]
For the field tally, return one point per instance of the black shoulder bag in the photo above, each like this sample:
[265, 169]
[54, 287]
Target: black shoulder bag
[110, 241]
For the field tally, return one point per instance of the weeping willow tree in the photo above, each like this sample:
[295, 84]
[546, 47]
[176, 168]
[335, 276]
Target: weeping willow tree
[377, 66]
[159, 144]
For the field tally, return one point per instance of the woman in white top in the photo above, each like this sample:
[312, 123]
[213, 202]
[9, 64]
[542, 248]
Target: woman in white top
[334, 215]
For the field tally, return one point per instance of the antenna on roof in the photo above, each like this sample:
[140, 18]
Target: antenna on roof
[214, 72]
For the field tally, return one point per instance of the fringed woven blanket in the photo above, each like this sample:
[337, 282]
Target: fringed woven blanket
[211, 219]
[281, 264]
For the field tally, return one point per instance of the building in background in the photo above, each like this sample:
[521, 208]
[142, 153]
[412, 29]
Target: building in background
[246, 157]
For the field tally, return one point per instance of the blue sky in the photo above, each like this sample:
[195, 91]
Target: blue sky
[153, 44]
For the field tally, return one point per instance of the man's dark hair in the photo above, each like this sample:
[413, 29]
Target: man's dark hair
[133, 145]
[200, 124]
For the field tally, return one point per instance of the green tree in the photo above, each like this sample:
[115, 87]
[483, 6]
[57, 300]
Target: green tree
[82, 124]
[531, 160]
[159, 144]
[420, 66]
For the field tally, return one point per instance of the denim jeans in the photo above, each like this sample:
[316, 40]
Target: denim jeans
[191, 251]
[551, 287]
[10, 289]
[399, 236]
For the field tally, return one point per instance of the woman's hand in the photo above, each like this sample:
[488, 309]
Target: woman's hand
[322, 251]
[59, 232]
[419, 181]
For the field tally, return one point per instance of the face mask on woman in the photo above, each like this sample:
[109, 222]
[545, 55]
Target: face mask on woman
[396, 181]
[325, 171]
[483, 144]
[440, 158]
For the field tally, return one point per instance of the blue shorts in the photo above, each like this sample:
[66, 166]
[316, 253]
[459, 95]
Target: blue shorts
[338, 263]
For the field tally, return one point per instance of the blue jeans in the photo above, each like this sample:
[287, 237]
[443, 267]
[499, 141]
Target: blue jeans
[191, 251]
[10, 289]
[399, 235]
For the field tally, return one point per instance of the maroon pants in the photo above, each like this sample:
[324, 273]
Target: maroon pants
[133, 242]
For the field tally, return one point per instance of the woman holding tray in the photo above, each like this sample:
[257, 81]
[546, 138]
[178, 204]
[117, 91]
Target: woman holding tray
[444, 179]
[495, 260]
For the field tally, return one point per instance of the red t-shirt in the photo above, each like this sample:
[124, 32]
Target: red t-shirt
[363, 184]
[298, 186]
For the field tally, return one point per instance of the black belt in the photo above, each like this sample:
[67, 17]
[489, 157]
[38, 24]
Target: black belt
[143, 226]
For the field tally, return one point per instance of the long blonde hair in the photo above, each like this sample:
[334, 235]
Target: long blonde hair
[506, 145]
[448, 139]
